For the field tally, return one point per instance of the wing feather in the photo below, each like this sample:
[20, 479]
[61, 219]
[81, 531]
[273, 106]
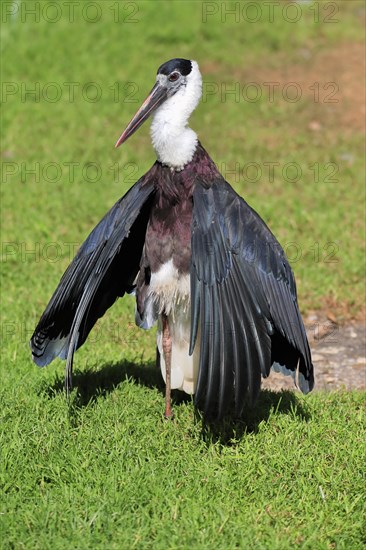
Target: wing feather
[243, 297]
[103, 269]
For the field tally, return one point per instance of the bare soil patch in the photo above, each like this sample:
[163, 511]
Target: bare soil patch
[333, 82]
[339, 357]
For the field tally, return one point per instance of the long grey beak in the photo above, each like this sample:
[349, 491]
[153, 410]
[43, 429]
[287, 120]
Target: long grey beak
[155, 98]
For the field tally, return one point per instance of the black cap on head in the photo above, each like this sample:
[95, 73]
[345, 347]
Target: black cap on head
[184, 66]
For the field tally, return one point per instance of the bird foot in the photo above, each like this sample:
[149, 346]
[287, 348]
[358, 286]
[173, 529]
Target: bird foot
[169, 415]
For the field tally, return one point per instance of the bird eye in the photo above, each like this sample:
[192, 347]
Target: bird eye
[173, 77]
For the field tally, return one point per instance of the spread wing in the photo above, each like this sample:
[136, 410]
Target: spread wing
[103, 269]
[244, 303]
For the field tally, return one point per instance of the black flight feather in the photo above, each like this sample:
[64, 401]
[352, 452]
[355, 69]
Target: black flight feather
[243, 297]
[103, 270]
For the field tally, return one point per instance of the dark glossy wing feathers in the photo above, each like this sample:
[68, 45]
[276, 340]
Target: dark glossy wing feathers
[103, 269]
[243, 302]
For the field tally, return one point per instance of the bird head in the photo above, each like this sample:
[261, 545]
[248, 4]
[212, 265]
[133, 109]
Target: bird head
[175, 95]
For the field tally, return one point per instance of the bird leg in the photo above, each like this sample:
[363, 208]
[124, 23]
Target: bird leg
[167, 350]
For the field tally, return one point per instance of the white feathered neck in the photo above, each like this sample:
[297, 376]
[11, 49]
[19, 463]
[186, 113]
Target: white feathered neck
[173, 141]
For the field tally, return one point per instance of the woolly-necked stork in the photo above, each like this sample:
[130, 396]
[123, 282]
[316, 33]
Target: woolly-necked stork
[202, 264]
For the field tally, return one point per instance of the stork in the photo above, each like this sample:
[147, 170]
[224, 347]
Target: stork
[202, 263]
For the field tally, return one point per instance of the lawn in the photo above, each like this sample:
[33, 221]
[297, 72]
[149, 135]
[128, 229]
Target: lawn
[282, 117]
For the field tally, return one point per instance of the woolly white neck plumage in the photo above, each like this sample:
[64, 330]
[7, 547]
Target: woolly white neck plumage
[173, 141]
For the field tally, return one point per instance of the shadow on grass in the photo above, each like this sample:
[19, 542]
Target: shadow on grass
[91, 384]
[231, 429]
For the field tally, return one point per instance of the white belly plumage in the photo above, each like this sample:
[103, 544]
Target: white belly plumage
[168, 290]
[170, 294]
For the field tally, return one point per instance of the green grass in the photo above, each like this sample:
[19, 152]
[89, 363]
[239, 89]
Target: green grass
[108, 472]
[111, 473]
